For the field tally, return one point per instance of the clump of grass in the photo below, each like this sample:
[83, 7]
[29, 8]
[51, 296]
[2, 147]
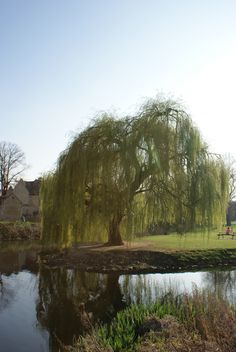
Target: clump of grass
[204, 323]
[89, 343]
[197, 322]
[211, 317]
[12, 231]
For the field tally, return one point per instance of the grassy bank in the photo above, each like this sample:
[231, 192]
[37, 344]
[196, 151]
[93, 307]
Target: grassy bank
[190, 241]
[163, 253]
[197, 322]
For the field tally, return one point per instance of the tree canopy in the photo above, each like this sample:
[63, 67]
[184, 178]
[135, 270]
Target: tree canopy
[121, 174]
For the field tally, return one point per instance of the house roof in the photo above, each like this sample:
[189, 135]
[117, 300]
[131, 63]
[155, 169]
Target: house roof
[33, 187]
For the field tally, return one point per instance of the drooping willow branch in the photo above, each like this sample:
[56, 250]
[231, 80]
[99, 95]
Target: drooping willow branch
[119, 175]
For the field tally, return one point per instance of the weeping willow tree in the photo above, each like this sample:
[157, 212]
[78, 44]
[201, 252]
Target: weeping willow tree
[119, 175]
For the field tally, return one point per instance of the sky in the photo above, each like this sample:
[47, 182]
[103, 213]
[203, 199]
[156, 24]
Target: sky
[64, 61]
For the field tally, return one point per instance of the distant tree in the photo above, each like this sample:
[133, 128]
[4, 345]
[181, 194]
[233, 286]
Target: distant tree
[119, 175]
[12, 164]
[232, 210]
[231, 164]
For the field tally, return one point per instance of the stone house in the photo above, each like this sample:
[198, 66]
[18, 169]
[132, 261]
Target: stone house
[21, 202]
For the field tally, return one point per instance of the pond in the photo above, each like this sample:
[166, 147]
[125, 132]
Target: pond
[39, 306]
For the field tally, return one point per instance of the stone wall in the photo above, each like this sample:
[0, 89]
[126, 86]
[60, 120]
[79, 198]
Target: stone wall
[10, 209]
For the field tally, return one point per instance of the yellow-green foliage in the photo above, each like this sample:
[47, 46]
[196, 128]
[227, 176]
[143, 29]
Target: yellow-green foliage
[150, 167]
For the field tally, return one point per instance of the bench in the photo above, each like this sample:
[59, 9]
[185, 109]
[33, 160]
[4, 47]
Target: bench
[223, 235]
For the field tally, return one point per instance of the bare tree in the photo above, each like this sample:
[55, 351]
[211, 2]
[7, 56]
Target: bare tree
[232, 185]
[12, 164]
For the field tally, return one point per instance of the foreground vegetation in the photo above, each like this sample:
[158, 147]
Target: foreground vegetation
[198, 322]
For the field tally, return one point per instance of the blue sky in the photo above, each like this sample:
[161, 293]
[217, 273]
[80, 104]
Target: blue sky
[62, 61]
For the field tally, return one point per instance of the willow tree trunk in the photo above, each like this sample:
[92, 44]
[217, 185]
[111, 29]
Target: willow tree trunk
[114, 236]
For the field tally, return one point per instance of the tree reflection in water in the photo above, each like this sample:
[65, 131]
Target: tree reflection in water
[61, 291]
[222, 283]
[12, 263]
[147, 288]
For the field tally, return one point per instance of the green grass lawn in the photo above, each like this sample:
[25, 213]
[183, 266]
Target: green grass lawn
[206, 240]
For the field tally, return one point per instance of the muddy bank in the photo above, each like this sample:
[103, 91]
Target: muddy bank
[138, 260]
[16, 231]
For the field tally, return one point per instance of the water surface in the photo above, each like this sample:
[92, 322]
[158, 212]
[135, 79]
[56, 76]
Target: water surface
[39, 306]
